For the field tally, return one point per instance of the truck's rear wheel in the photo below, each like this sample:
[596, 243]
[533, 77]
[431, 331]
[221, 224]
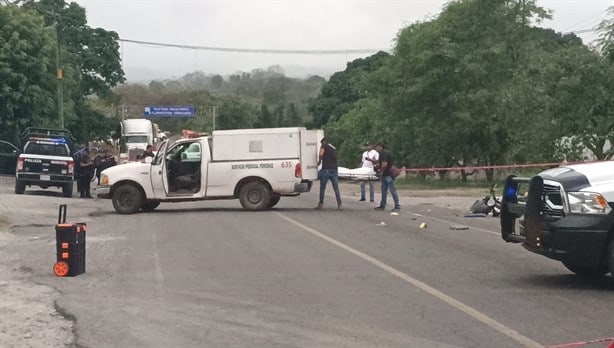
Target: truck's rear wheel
[274, 200]
[254, 195]
[127, 199]
[586, 271]
[20, 187]
[150, 205]
[611, 259]
[67, 190]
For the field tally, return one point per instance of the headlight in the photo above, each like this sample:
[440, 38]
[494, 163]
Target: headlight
[104, 180]
[588, 203]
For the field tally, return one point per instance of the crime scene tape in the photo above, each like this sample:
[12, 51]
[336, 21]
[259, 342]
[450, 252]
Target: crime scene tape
[579, 344]
[509, 166]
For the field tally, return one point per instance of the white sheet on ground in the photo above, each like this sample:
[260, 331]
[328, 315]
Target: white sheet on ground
[356, 174]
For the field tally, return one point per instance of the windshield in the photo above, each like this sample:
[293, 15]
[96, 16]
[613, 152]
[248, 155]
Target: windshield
[47, 149]
[136, 139]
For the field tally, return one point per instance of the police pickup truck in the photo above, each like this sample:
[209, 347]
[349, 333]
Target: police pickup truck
[566, 214]
[257, 166]
[45, 161]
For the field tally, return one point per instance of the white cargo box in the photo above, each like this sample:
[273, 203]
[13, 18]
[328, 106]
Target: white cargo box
[256, 144]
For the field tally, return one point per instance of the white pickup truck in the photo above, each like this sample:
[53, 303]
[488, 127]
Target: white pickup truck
[257, 166]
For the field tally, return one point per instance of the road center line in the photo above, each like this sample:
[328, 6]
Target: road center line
[474, 313]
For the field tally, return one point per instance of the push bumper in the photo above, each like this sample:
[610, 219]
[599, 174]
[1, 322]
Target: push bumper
[577, 238]
[103, 191]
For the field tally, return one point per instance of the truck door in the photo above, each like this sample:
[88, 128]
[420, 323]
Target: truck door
[158, 172]
[310, 147]
[182, 173]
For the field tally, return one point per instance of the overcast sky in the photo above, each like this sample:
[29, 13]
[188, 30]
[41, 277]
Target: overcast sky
[303, 25]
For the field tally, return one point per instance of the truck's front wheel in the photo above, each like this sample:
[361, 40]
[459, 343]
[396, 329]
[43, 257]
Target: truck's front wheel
[127, 199]
[586, 271]
[150, 205]
[274, 200]
[254, 195]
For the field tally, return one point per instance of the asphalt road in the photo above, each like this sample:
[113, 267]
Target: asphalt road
[208, 274]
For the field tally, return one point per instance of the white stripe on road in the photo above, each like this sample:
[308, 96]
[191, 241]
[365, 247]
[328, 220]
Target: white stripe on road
[474, 313]
[157, 269]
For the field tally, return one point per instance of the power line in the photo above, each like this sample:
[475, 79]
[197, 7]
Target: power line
[280, 51]
[251, 50]
[581, 31]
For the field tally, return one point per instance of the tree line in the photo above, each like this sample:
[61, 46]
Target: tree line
[34, 37]
[480, 84]
[262, 98]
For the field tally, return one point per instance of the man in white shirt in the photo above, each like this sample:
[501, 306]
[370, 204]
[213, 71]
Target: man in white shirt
[369, 158]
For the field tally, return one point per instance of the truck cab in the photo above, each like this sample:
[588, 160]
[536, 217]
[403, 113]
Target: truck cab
[257, 166]
[136, 134]
[566, 214]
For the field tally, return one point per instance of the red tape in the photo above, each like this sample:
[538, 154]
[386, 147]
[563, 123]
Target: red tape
[579, 344]
[509, 166]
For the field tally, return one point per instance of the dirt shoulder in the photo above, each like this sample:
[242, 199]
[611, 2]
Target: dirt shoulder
[28, 313]
[456, 199]
[354, 188]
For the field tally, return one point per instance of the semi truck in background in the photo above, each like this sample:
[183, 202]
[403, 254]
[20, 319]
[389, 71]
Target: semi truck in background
[136, 134]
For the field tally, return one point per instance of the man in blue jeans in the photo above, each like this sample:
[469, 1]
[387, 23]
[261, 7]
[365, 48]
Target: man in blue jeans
[388, 181]
[367, 162]
[328, 158]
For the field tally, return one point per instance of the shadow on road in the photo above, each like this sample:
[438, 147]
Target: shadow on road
[570, 281]
[208, 210]
[44, 193]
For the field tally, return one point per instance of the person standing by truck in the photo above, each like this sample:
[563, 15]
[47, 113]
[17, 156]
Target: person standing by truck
[328, 159]
[85, 173]
[148, 152]
[77, 171]
[368, 159]
[388, 180]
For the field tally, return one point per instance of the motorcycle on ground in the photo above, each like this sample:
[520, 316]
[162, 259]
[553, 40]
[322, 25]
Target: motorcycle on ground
[488, 204]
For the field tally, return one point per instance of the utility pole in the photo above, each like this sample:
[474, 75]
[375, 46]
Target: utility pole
[59, 76]
[214, 112]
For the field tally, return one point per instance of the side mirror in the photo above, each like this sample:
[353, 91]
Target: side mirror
[148, 159]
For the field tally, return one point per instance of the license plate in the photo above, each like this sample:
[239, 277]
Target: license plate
[45, 177]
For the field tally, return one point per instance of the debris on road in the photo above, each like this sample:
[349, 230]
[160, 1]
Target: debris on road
[475, 215]
[394, 213]
[423, 225]
[459, 227]
[382, 224]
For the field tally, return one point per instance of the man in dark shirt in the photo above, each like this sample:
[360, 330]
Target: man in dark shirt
[388, 181]
[329, 171]
[85, 173]
[148, 152]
